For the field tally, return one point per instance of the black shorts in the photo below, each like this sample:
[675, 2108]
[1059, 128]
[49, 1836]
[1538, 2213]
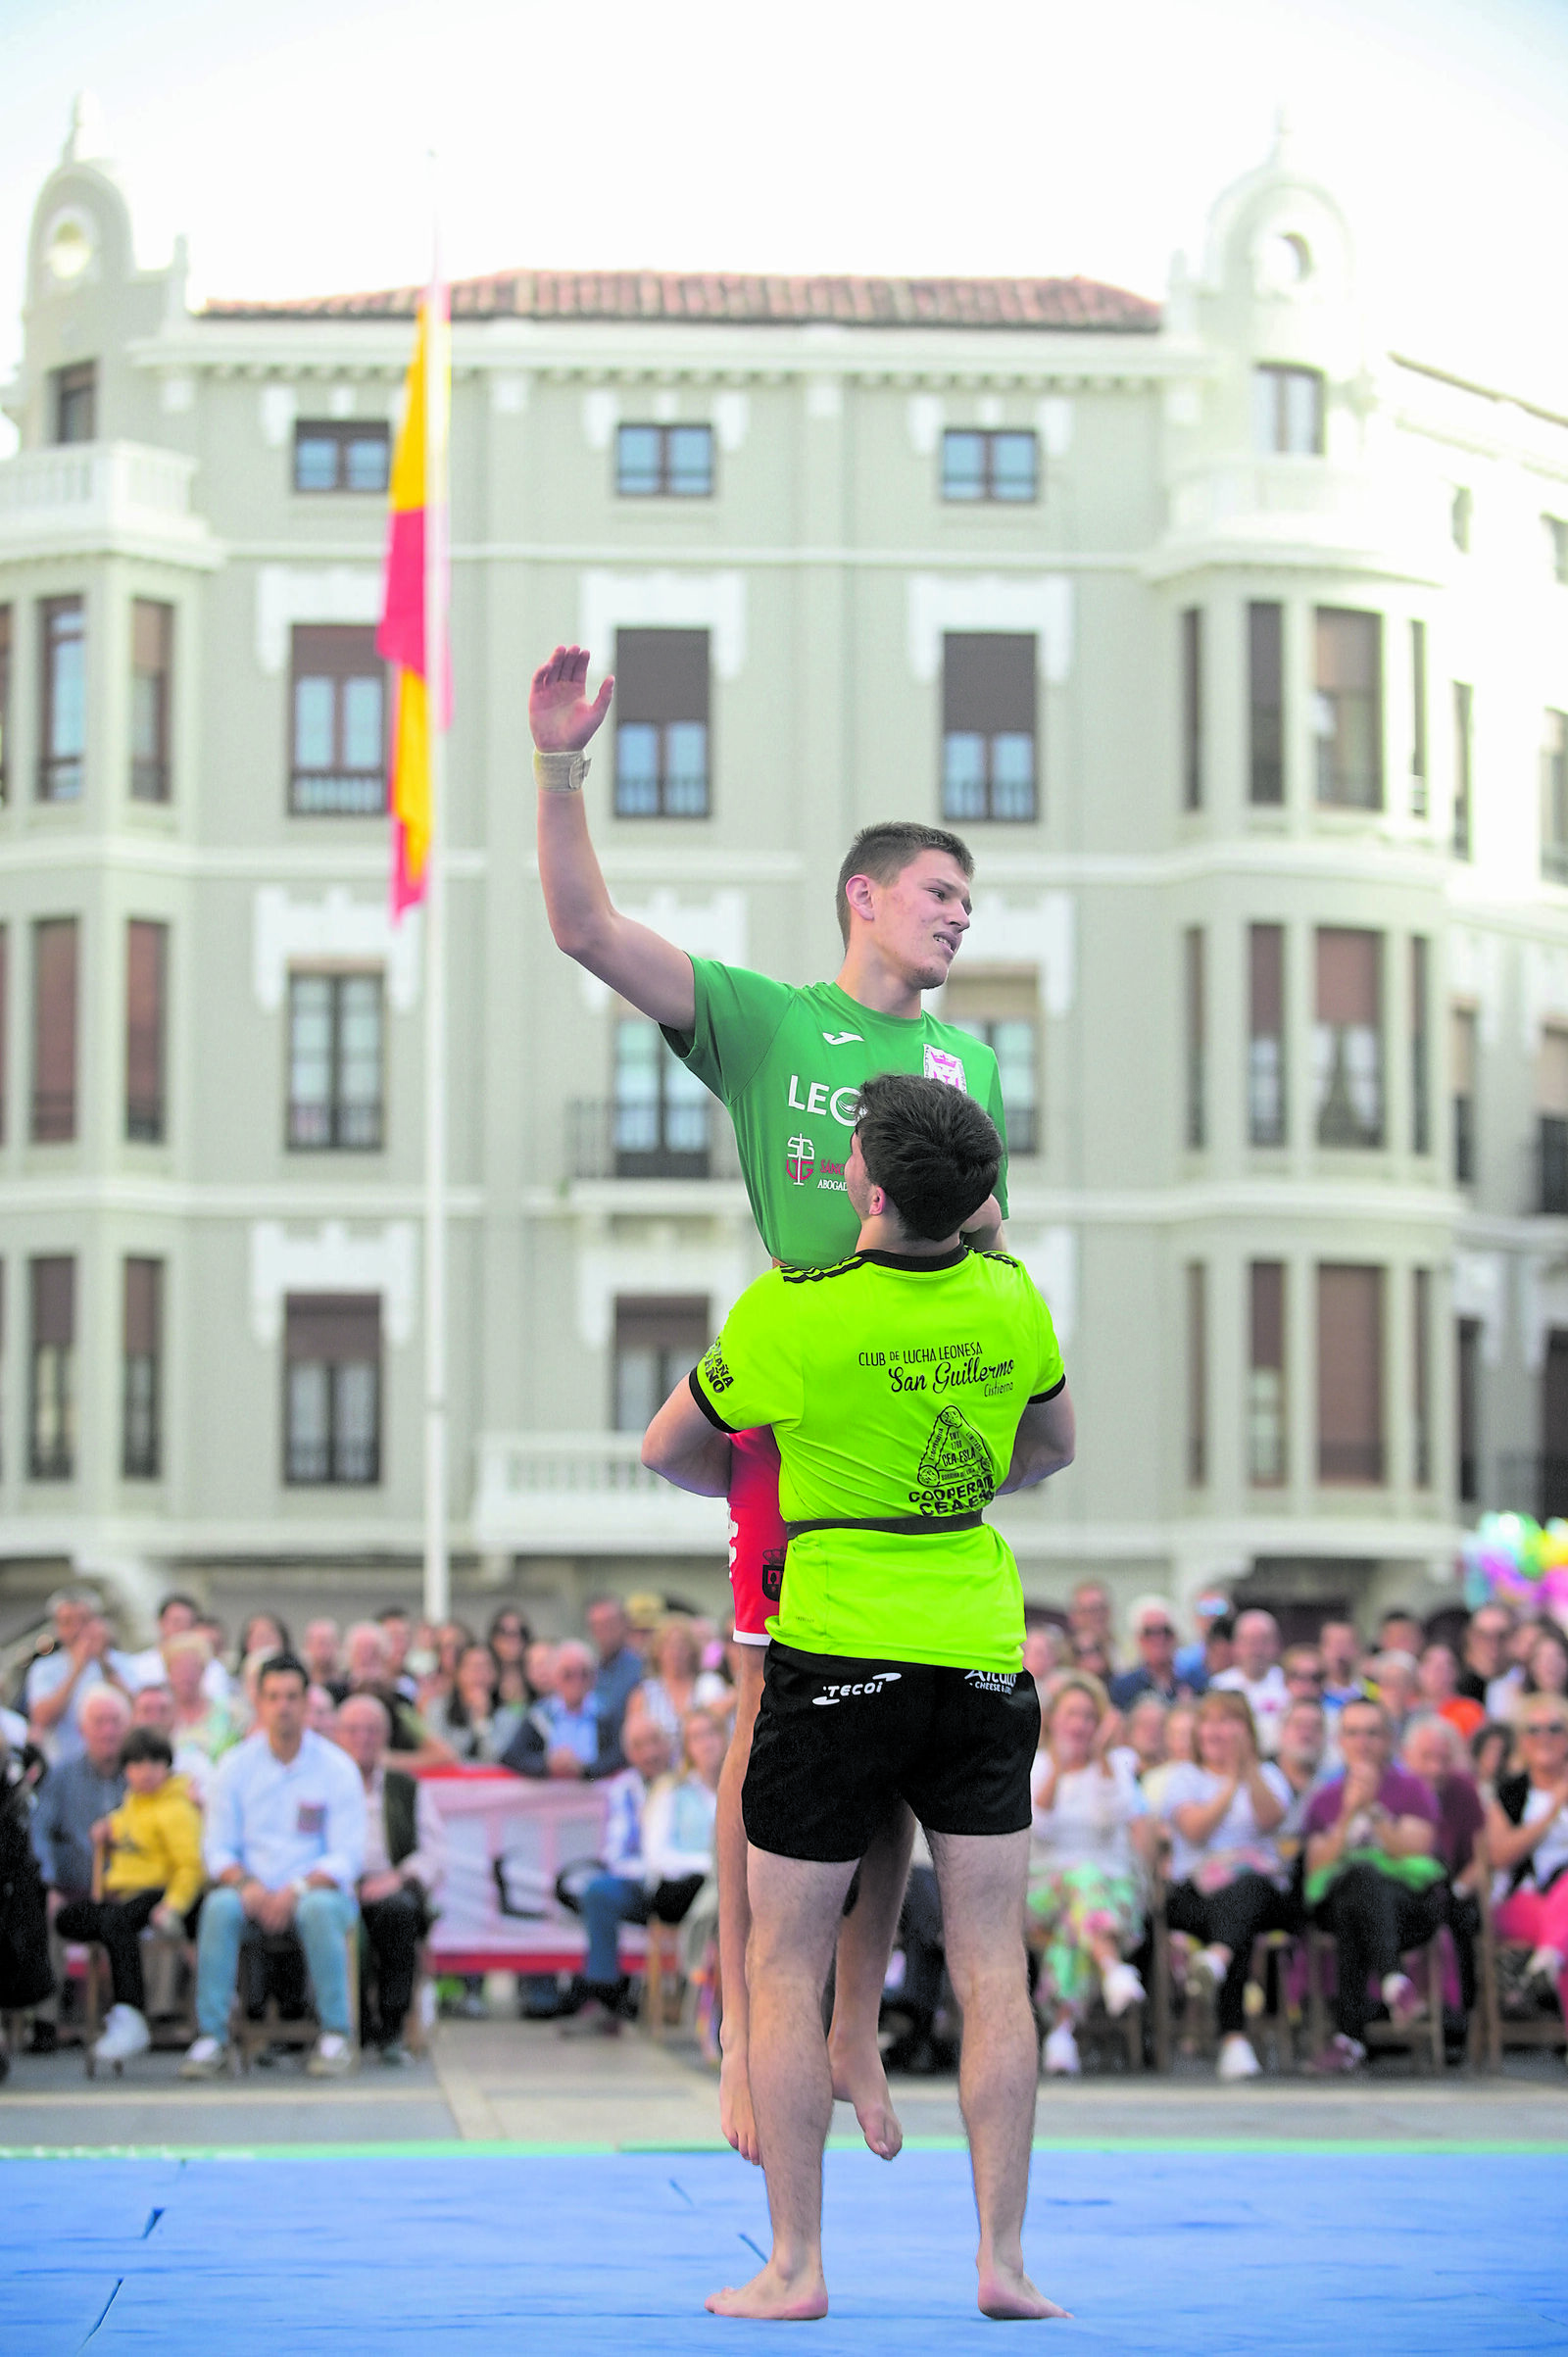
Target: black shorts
[836, 1741]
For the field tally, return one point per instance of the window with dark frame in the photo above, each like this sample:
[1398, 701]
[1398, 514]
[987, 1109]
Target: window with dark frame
[146, 1029]
[1420, 1045]
[51, 1385]
[1419, 796]
[1001, 464]
[990, 717]
[1287, 411]
[1462, 1062]
[1197, 1289]
[1348, 1037]
[1467, 1407]
[1554, 798]
[1551, 1480]
[332, 1389]
[1552, 1117]
[663, 763]
[665, 462]
[5, 704]
[141, 1372]
[1193, 708]
[1349, 1375]
[661, 1122]
[63, 700]
[1265, 1045]
[659, 1340]
[76, 401]
[152, 655]
[1266, 1392]
[1265, 698]
[338, 723]
[1421, 1378]
[53, 1031]
[1463, 754]
[1194, 1016]
[1347, 708]
[341, 454]
[335, 1062]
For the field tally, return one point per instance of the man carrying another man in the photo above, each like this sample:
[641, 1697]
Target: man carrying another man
[905, 1388]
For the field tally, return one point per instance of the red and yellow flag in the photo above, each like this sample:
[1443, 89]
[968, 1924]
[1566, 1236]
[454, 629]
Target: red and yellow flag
[415, 542]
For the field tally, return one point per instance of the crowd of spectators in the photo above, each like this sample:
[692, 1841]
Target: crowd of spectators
[261, 1799]
[1241, 1787]
[263, 1802]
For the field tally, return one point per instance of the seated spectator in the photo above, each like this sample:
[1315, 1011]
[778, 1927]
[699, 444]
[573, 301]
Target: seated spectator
[539, 1667]
[1089, 1620]
[569, 1734]
[320, 1711]
[259, 1632]
[321, 1652]
[1373, 1877]
[507, 1641]
[1485, 1653]
[620, 1669]
[618, 1895]
[397, 1630]
[1300, 1760]
[81, 1658]
[1180, 1731]
[1491, 1748]
[1091, 1658]
[1144, 1734]
[1395, 1680]
[153, 1875]
[405, 1858]
[451, 1640]
[1257, 1674]
[153, 1707]
[1339, 1652]
[1228, 1881]
[1546, 1668]
[73, 1795]
[472, 1721]
[1400, 1631]
[284, 1848]
[1152, 1626]
[676, 1682]
[1042, 1652]
[1305, 1679]
[1433, 1749]
[1438, 1676]
[678, 1855]
[202, 1722]
[367, 1665]
[1193, 1666]
[177, 1616]
[1085, 1884]
[1527, 1845]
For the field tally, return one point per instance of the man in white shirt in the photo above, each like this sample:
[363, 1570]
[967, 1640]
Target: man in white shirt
[58, 1683]
[1258, 1675]
[284, 1847]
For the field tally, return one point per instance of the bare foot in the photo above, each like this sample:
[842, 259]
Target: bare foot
[784, 2299]
[1008, 2296]
[859, 2078]
[735, 2115]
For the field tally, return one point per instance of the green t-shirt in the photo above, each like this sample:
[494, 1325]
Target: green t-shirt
[893, 1387]
[788, 1064]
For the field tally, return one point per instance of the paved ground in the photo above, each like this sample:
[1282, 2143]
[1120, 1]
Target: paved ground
[505, 2081]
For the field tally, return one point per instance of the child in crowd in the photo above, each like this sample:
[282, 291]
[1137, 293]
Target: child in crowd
[153, 1875]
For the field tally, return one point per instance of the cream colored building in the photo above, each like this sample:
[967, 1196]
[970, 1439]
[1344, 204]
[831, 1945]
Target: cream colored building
[1233, 643]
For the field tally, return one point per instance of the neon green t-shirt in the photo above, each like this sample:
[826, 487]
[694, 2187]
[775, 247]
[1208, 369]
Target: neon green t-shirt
[788, 1064]
[893, 1387]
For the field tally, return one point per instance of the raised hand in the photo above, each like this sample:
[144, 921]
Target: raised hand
[562, 717]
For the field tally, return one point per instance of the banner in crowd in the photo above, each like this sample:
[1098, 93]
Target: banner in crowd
[507, 1840]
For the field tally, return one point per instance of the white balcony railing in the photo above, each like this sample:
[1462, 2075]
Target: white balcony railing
[569, 1493]
[86, 495]
[1306, 499]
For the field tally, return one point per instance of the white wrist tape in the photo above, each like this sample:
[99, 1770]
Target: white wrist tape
[561, 772]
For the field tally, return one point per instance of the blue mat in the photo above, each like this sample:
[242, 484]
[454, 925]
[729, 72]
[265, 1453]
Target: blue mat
[1213, 2251]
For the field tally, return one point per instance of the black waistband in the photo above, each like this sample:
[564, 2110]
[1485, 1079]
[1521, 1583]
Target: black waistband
[912, 1526]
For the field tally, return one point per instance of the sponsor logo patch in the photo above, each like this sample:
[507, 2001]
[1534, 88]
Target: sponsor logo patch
[715, 1372]
[940, 1066]
[870, 1686]
[773, 1574]
[991, 1682]
[799, 1159]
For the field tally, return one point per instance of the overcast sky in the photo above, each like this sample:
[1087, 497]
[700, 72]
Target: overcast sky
[1027, 136]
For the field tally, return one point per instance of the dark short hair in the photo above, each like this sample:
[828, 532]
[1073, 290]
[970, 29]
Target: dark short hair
[145, 1742]
[393, 1612]
[282, 1665]
[179, 1597]
[884, 850]
[1222, 1626]
[930, 1148]
[1400, 1612]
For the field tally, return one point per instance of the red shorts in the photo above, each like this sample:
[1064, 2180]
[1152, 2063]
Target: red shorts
[756, 1533]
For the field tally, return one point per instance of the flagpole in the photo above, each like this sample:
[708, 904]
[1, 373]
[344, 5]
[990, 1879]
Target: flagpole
[437, 1568]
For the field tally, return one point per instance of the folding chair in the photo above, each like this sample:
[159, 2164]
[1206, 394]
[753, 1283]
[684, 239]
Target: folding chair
[251, 2034]
[1504, 2026]
[1423, 2039]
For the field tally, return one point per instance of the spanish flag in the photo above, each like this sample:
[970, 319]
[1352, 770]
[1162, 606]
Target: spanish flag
[417, 541]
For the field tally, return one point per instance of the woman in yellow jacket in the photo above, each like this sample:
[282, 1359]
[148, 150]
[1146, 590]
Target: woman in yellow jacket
[154, 1875]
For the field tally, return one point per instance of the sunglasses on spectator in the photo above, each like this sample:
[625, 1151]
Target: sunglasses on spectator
[1546, 1727]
